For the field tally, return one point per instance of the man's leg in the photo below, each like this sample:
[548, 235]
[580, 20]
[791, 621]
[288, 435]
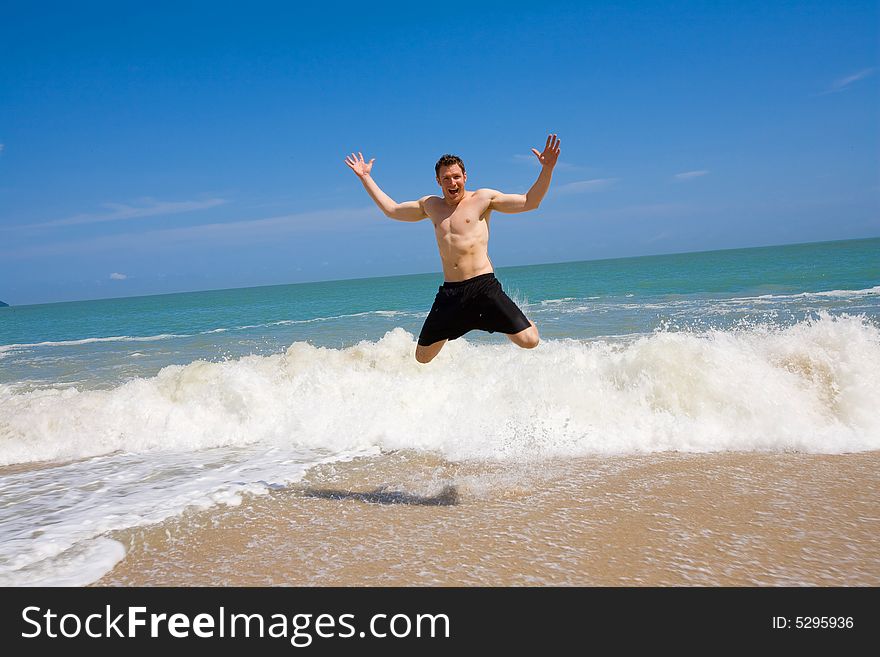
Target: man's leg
[527, 338]
[425, 354]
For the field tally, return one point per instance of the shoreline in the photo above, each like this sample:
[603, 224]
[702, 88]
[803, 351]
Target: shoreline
[413, 519]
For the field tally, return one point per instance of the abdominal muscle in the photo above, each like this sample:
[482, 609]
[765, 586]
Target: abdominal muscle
[464, 256]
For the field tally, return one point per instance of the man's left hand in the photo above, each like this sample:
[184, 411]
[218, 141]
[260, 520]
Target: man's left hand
[551, 152]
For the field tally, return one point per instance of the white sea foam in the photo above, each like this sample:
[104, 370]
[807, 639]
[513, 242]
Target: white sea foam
[4, 349]
[552, 302]
[381, 313]
[828, 293]
[811, 387]
[55, 520]
[801, 302]
[112, 338]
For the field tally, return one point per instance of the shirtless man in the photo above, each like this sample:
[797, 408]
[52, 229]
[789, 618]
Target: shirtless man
[471, 297]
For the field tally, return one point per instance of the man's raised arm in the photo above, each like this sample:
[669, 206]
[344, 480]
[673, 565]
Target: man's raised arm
[532, 199]
[408, 211]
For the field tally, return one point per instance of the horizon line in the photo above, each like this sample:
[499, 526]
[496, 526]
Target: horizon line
[438, 272]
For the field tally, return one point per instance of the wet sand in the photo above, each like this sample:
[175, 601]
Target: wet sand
[407, 519]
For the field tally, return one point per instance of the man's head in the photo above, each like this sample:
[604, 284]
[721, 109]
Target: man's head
[451, 177]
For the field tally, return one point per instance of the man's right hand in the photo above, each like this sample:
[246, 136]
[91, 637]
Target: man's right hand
[357, 164]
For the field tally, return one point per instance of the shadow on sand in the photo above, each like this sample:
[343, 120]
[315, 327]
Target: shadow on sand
[446, 497]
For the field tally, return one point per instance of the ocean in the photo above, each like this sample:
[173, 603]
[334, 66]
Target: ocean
[705, 397]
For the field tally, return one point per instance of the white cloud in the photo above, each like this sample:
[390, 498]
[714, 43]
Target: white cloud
[215, 234]
[638, 212]
[115, 276]
[527, 159]
[657, 238]
[531, 159]
[586, 186]
[690, 175]
[146, 207]
[842, 84]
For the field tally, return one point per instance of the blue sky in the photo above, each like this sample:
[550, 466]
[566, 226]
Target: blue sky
[161, 147]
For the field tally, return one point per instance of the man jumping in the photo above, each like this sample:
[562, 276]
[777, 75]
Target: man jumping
[471, 298]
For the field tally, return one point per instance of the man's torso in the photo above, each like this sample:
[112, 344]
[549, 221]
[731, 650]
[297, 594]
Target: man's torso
[462, 234]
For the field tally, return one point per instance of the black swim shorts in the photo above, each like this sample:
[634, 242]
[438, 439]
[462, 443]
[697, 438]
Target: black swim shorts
[478, 303]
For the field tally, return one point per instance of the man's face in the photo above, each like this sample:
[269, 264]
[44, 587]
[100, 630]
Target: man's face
[452, 180]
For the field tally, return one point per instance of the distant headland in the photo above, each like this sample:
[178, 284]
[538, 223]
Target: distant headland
[3, 304]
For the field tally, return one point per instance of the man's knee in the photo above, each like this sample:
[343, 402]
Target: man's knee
[423, 357]
[527, 338]
[426, 353]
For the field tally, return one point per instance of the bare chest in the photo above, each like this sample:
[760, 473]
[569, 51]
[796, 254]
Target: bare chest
[468, 219]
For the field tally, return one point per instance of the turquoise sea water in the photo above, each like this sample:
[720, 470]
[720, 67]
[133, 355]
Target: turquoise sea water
[125, 412]
[105, 342]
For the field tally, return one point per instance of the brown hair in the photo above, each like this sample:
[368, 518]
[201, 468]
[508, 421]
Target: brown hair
[447, 161]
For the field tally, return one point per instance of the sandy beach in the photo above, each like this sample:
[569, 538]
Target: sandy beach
[408, 519]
